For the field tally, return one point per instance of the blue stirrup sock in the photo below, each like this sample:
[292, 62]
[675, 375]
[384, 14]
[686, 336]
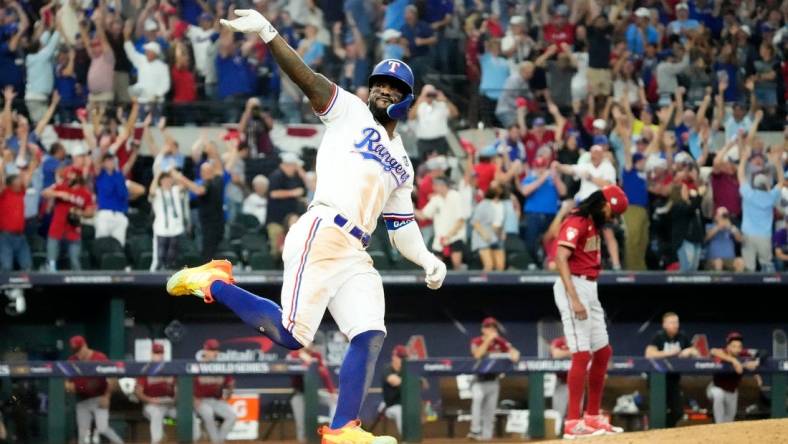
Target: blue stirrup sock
[356, 374]
[256, 312]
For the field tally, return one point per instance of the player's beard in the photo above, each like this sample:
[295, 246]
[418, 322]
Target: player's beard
[380, 114]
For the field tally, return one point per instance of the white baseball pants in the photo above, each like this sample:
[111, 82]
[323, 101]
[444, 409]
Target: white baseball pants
[590, 334]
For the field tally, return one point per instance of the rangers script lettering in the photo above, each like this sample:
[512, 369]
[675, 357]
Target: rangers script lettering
[379, 153]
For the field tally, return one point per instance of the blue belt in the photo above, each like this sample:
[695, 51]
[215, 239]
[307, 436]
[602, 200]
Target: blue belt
[354, 231]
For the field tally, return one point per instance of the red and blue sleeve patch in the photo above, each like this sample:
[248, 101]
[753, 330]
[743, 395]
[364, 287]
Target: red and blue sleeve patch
[397, 220]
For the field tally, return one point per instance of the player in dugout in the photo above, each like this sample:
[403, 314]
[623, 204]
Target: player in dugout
[487, 386]
[671, 342]
[723, 391]
[210, 397]
[327, 397]
[158, 394]
[93, 394]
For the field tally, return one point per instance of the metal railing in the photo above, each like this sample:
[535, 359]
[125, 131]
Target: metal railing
[535, 369]
[184, 371]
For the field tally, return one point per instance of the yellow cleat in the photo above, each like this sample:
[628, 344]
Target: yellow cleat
[197, 281]
[352, 433]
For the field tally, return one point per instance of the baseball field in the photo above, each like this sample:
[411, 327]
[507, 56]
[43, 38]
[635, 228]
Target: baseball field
[757, 432]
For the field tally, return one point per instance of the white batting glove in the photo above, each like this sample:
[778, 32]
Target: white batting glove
[250, 20]
[436, 273]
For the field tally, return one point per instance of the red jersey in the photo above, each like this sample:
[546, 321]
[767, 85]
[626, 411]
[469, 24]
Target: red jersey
[498, 345]
[580, 234]
[550, 249]
[90, 387]
[533, 142]
[560, 343]
[423, 196]
[729, 381]
[158, 386]
[322, 370]
[183, 85]
[554, 34]
[80, 198]
[123, 154]
[211, 386]
[485, 173]
[472, 67]
[12, 207]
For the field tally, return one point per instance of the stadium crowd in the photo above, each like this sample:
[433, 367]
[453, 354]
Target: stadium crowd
[670, 100]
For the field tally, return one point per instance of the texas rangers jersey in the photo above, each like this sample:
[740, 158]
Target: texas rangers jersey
[361, 173]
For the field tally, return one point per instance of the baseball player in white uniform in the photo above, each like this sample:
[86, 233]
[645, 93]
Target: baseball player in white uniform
[363, 172]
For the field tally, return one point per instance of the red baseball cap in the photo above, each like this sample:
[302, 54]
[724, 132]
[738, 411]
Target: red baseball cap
[734, 336]
[157, 348]
[179, 30]
[211, 344]
[77, 342]
[71, 171]
[616, 197]
[540, 162]
[400, 351]
[490, 322]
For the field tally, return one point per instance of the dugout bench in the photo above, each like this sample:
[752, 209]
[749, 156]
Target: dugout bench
[535, 368]
[56, 372]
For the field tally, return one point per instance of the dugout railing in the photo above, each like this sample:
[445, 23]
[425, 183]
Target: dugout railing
[184, 371]
[535, 369]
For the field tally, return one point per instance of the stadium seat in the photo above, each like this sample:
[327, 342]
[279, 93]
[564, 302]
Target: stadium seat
[474, 261]
[112, 261]
[188, 246]
[236, 231]
[252, 243]
[189, 259]
[405, 265]
[514, 244]
[38, 244]
[261, 260]
[380, 259]
[140, 219]
[136, 245]
[249, 222]
[84, 260]
[227, 254]
[380, 238]
[105, 245]
[518, 260]
[39, 260]
[225, 245]
[143, 261]
[88, 232]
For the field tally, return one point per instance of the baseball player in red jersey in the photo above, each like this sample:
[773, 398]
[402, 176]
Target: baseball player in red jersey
[327, 397]
[578, 261]
[559, 350]
[210, 397]
[93, 394]
[158, 394]
[487, 386]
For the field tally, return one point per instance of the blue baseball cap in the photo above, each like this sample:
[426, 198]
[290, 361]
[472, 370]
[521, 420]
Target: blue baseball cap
[489, 151]
[538, 122]
[636, 157]
[601, 140]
